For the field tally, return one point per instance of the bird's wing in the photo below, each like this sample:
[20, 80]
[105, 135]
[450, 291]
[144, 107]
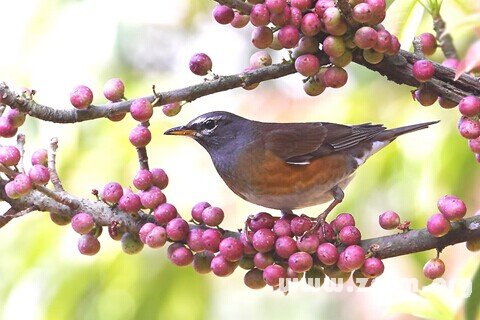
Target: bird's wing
[303, 142]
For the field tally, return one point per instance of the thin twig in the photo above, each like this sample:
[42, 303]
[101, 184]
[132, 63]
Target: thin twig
[21, 148]
[52, 165]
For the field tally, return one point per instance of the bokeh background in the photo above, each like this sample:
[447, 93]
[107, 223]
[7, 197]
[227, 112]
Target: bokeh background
[53, 45]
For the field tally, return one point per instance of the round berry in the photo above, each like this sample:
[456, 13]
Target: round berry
[423, 70]
[469, 128]
[308, 243]
[117, 117]
[343, 220]
[239, 20]
[474, 145]
[9, 156]
[394, 46]
[221, 267]
[82, 223]
[248, 248]
[322, 5]
[312, 87]
[141, 109]
[446, 103]
[7, 130]
[349, 235]
[39, 174]
[177, 229]
[231, 248]
[425, 97]
[223, 14]
[15, 117]
[194, 239]
[165, 213]
[332, 17]
[145, 230]
[40, 156]
[211, 239]
[140, 136]
[212, 216]
[259, 15]
[198, 209]
[59, 219]
[327, 253]
[181, 256]
[301, 4]
[152, 197]
[261, 260]
[372, 56]
[143, 179]
[23, 184]
[384, 39]
[262, 37]
[285, 246]
[282, 18]
[351, 258]
[200, 64]
[129, 202]
[389, 220]
[310, 24]
[263, 240]
[288, 36]
[334, 46]
[366, 37]
[273, 273]
[469, 106]
[452, 208]
[202, 261]
[276, 6]
[300, 225]
[81, 97]
[326, 233]
[362, 13]
[300, 262]
[295, 17]
[372, 267]
[260, 59]
[473, 245]
[88, 245]
[160, 178]
[438, 225]
[112, 192]
[254, 279]
[171, 109]
[261, 220]
[114, 90]
[428, 43]
[434, 268]
[335, 77]
[11, 190]
[156, 238]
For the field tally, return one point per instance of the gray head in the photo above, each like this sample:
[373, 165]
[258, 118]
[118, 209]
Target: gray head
[215, 130]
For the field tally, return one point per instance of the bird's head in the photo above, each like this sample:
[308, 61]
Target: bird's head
[215, 130]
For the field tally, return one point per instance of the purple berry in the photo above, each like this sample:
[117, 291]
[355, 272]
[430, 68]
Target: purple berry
[378, 10]
[263, 240]
[259, 15]
[223, 14]
[434, 268]
[212, 216]
[372, 267]
[164, 213]
[239, 20]
[112, 192]
[181, 256]
[452, 208]
[15, 117]
[262, 37]
[389, 220]
[39, 174]
[200, 64]
[231, 248]
[349, 235]
[9, 156]
[129, 202]
[211, 239]
[143, 179]
[300, 261]
[288, 36]
[145, 230]
[261, 220]
[469, 128]
[82, 223]
[273, 273]
[40, 156]
[254, 279]
[362, 12]
[140, 136]
[438, 225]
[469, 106]
[343, 220]
[202, 261]
[366, 37]
[151, 198]
[88, 245]
[141, 110]
[262, 260]
[285, 246]
[7, 130]
[177, 229]
[423, 70]
[171, 109]
[428, 43]
[327, 253]
[81, 97]
[198, 209]
[194, 240]
[221, 267]
[310, 24]
[156, 238]
[114, 90]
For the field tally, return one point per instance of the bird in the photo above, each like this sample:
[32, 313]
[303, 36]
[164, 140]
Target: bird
[288, 166]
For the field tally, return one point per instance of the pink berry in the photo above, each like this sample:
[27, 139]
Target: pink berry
[423, 70]
[308, 243]
[143, 179]
[326, 234]
[81, 97]
[198, 209]
[428, 43]
[351, 258]
[469, 106]
[282, 227]
[263, 240]
[362, 12]
[434, 268]
[9, 156]
[39, 174]
[177, 229]
[194, 239]
[282, 18]
[335, 77]
[141, 110]
[212, 216]
[310, 24]
[114, 90]
[88, 245]
[384, 39]
[40, 156]
[152, 197]
[221, 267]
[171, 109]
[276, 6]
[200, 64]
[300, 225]
[156, 238]
[300, 262]
[181, 256]
[389, 220]
[288, 36]
[15, 117]
[248, 248]
[394, 46]
[164, 213]
[349, 235]
[7, 130]
[469, 128]
[378, 10]
[82, 223]
[322, 5]
[438, 225]
[23, 184]
[285, 246]
[366, 37]
[254, 279]
[140, 136]
[327, 253]
[343, 220]
[301, 4]
[259, 15]
[11, 190]
[112, 192]
[202, 261]
[145, 230]
[295, 17]
[239, 20]
[160, 178]
[273, 273]
[262, 260]
[307, 64]
[474, 145]
[129, 202]
[231, 248]
[262, 37]
[223, 14]
[372, 267]
[452, 208]
[260, 221]
[260, 59]
[211, 239]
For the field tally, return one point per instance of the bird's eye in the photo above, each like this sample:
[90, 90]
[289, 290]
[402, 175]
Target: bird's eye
[209, 124]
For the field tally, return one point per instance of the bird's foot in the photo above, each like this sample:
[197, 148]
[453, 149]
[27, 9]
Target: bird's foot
[319, 223]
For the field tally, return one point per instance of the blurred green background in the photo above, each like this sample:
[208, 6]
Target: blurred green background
[53, 45]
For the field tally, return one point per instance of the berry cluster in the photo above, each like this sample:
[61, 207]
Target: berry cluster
[312, 29]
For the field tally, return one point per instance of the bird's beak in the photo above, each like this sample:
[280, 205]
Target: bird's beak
[181, 131]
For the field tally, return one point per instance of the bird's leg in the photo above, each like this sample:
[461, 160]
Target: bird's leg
[338, 196]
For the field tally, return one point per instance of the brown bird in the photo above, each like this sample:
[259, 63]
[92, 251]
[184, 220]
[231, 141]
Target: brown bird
[288, 166]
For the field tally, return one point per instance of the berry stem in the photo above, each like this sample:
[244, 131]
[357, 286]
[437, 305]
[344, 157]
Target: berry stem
[52, 165]
[20, 146]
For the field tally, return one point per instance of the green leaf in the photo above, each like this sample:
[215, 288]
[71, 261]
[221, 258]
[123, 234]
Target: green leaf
[403, 19]
[472, 305]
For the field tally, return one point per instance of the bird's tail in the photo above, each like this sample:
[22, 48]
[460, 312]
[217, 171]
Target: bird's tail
[393, 133]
